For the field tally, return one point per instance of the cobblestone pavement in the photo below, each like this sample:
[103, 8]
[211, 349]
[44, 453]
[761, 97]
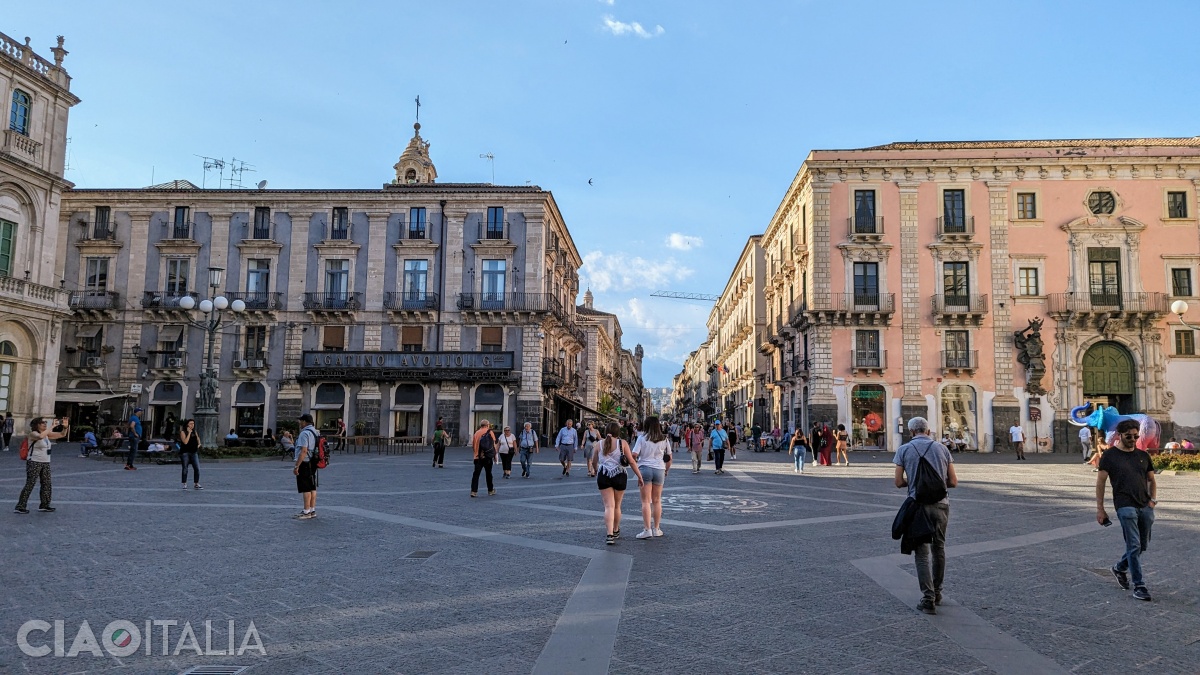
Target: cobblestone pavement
[760, 571]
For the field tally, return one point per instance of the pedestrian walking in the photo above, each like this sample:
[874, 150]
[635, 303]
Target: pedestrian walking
[653, 453]
[590, 437]
[776, 437]
[440, 440]
[1135, 496]
[566, 441]
[734, 432]
[339, 434]
[483, 444]
[135, 438]
[843, 444]
[674, 432]
[1016, 436]
[1085, 442]
[931, 548]
[611, 455]
[719, 439]
[695, 438]
[305, 468]
[189, 453]
[37, 466]
[756, 438]
[506, 447]
[797, 449]
[10, 426]
[529, 445]
[828, 442]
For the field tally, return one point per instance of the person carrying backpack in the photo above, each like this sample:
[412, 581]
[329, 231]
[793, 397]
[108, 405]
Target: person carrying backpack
[926, 468]
[306, 456]
[440, 440]
[484, 444]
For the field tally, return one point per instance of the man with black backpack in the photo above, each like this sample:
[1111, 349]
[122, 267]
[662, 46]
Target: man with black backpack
[305, 469]
[926, 468]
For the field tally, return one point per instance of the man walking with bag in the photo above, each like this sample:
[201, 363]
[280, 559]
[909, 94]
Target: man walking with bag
[920, 465]
[305, 468]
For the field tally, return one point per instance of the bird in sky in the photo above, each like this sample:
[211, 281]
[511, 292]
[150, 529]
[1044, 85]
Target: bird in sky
[589, 181]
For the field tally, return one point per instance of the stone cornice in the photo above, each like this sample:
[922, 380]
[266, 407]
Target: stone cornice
[330, 247]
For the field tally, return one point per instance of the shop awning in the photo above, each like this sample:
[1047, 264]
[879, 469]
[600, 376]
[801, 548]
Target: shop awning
[84, 396]
[170, 334]
[87, 332]
[406, 407]
[577, 404]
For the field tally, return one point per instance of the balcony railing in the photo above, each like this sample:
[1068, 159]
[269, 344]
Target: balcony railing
[554, 373]
[960, 359]
[165, 299]
[249, 360]
[100, 233]
[87, 360]
[492, 230]
[1146, 303]
[339, 232]
[959, 226]
[261, 231]
[17, 143]
[93, 300]
[257, 300]
[337, 301]
[960, 304]
[864, 302]
[166, 360]
[410, 300]
[868, 359]
[511, 302]
[864, 225]
[181, 230]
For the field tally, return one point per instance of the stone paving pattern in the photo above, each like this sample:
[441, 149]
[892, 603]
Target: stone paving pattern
[335, 595]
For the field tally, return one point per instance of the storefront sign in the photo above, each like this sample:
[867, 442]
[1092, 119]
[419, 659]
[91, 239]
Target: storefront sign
[393, 365]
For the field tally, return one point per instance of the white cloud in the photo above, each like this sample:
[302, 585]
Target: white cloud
[683, 242]
[664, 335]
[603, 272]
[632, 28]
[610, 3]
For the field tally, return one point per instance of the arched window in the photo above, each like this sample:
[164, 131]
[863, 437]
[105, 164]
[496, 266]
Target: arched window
[410, 176]
[407, 410]
[6, 376]
[18, 119]
[8, 349]
[488, 405]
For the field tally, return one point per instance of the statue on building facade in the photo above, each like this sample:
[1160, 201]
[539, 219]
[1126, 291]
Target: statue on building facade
[1030, 353]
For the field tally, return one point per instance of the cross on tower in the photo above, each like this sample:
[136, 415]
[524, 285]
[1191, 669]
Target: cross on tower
[418, 107]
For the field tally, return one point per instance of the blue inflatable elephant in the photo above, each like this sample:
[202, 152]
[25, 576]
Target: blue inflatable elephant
[1106, 419]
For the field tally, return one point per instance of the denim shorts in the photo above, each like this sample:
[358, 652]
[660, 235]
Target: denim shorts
[653, 475]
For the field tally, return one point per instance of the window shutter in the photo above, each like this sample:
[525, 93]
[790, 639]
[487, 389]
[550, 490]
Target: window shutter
[491, 335]
[412, 335]
[333, 337]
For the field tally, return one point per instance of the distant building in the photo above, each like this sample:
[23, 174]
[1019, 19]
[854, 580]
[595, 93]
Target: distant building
[387, 307]
[33, 303]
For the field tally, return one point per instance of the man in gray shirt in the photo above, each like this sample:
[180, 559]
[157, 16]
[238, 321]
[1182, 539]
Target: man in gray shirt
[305, 468]
[930, 556]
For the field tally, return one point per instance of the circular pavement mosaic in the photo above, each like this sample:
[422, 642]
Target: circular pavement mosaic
[710, 503]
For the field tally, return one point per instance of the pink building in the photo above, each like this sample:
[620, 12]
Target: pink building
[911, 279]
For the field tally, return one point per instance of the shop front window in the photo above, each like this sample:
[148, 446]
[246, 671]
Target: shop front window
[959, 416]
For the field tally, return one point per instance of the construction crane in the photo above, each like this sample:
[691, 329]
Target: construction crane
[676, 295]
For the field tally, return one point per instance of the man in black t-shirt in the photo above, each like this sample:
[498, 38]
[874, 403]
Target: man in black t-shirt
[1135, 494]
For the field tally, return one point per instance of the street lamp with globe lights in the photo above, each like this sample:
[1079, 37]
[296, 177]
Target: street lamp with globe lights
[1179, 308]
[206, 408]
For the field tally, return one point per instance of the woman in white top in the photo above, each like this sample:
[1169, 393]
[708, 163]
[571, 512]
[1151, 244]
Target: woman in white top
[653, 452]
[506, 445]
[37, 466]
[611, 478]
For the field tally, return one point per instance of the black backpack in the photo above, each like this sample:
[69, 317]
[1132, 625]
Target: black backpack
[928, 486]
[487, 446]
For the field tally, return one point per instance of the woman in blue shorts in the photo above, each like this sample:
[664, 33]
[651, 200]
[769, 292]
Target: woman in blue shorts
[653, 452]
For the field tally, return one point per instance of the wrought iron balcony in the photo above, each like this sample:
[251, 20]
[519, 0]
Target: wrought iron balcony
[261, 231]
[94, 300]
[880, 303]
[960, 360]
[99, 233]
[1140, 303]
[950, 309]
[257, 301]
[864, 227]
[505, 302]
[868, 359]
[181, 230]
[410, 301]
[165, 299]
[493, 230]
[554, 373]
[956, 228]
[339, 301]
[166, 360]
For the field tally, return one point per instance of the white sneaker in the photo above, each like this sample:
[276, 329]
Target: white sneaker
[644, 534]
[658, 532]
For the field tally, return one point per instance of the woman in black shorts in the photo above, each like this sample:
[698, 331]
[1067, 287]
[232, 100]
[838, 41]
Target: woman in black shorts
[611, 478]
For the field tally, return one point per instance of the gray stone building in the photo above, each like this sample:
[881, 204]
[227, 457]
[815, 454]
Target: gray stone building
[388, 308]
[33, 303]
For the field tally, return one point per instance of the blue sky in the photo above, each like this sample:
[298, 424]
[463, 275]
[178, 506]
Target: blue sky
[689, 116]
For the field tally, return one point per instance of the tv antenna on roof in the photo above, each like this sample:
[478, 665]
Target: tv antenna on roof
[211, 163]
[492, 160]
[236, 169]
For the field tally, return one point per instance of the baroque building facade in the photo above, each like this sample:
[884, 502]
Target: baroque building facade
[33, 303]
[610, 370]
[388, 308]
[984, 284]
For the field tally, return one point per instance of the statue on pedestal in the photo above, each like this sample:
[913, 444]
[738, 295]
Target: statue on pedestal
[1031, 355]
[208, 392]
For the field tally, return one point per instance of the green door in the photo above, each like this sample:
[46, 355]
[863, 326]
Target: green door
[1108, 371]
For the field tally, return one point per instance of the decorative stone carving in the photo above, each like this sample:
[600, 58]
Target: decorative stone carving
[1181, 172]
[1134, 172]
[975, 173]
[1088, 172]
[842, 175]
[415, 166]
[864, 174]
[1066, 172]
[953, 174]
[1020, 173]
[1030, 354]
[1043, 173]
[887, 174]
[908, 174]
[207, 399]
[1157, 171]
[997, 174]
[929, 174]
[1112, 170]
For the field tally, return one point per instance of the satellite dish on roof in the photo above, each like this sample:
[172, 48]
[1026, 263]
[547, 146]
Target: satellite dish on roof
[262, 184]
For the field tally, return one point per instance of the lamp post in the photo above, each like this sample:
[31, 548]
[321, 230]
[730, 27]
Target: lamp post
[206, 408]
[1179, 308]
